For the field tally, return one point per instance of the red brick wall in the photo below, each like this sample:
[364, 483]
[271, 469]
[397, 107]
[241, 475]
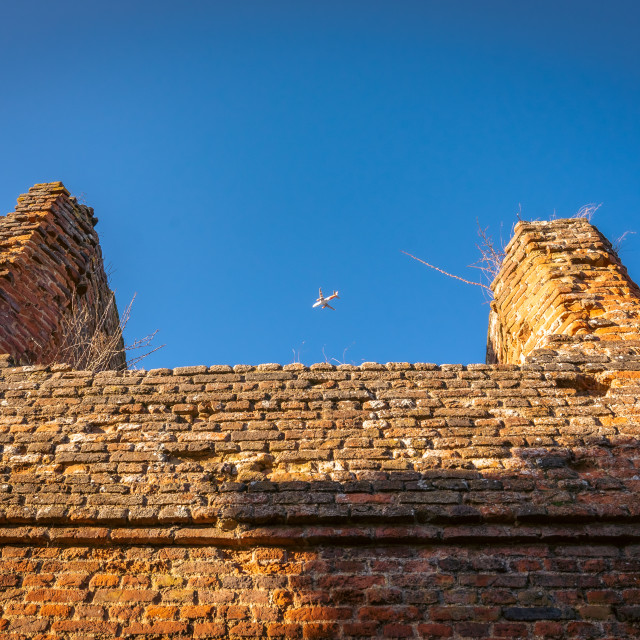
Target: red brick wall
[377, 501]
[420, 591]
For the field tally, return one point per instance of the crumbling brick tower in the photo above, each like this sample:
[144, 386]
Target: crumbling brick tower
[561, 281]
[54, 295]
[380, 501]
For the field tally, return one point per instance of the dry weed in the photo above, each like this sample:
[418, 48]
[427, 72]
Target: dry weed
[88, 340]
[490, 261]
[587, 211]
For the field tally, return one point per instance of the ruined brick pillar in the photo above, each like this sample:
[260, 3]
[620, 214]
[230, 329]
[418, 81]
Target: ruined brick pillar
[55, 303]
[560, 279]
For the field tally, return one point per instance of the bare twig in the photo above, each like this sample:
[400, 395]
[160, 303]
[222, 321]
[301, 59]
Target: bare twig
[88, 339]
[490, 257]
[328, 360]
[296, 354]
[344, 355]
[141, 343]
[446, 273]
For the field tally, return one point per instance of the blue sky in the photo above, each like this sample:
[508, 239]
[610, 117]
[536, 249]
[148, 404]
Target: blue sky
[241, 154]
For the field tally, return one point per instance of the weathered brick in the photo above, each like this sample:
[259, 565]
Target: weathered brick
[246, 629]
[318, 613]
[209, 630]
[533, 613]
[57, 610]
[56, 595]
[165, 627]
[84, 626]
[125, 595]
[197, 611]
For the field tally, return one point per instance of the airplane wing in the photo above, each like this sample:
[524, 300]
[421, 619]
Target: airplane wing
[320, 291]
[328, 305]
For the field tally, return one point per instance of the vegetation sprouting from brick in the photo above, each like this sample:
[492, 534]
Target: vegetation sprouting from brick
[489, 263]
[86, 339]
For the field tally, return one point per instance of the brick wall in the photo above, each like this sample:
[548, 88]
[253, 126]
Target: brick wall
[391, 591]
[50, 269]
[380, 501]
[376, 501]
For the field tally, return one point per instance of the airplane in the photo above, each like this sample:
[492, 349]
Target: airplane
[325, 301]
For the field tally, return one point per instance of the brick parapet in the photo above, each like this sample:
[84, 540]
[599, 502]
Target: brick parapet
[51, 267]
[244, 447]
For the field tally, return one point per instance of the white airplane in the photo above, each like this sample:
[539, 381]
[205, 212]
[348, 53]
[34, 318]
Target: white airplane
[324, 302]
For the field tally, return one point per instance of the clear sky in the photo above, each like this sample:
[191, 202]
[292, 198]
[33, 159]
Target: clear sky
[241, 154]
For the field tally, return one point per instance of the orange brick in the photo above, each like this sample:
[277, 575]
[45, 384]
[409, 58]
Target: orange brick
[178, 595]
[157, 611]
[320, 631]
[40, 580]
[125, 595]
[86, 626]
[57, 610]
[164, 627]
[246, 629]
[136, 581]
[56, 595]
[289, 631]
[105, 580]
[234, 612]
[316, 614]
[19, 609]
[71, 580]
[197, 611]
[209, 630]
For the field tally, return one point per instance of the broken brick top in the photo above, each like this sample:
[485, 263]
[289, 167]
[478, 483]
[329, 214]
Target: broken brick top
[559, 279]
[50, 267]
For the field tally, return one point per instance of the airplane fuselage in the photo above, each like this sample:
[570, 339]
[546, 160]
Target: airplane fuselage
[324, 302]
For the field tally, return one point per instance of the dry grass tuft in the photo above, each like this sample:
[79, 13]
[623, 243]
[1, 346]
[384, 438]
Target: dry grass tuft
[587, 211]
[491, 254]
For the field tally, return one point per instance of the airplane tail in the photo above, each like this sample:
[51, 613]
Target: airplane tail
[335, 293]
